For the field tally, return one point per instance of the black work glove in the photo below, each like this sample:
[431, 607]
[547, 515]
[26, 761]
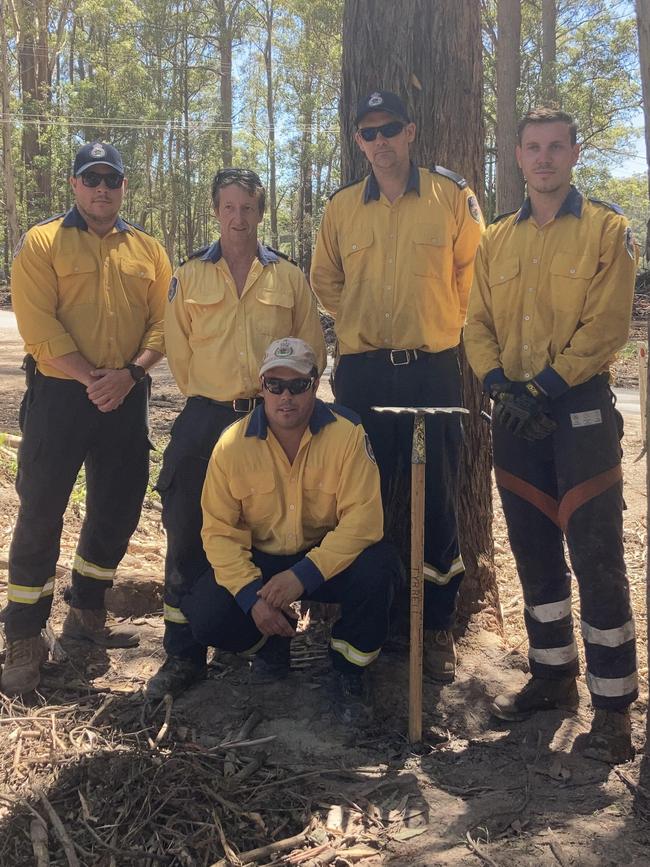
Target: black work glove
[522, 409]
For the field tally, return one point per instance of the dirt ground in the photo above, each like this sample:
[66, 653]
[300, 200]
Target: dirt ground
[86, 755]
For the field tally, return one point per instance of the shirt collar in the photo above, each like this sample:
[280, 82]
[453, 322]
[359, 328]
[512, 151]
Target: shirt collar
[266, 255]
[372, 192]
[571, 205]
[257, 426]
[74, 220]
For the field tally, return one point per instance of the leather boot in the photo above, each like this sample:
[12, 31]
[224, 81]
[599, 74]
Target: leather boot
[89, 624]
[536, 695]
[22, 669]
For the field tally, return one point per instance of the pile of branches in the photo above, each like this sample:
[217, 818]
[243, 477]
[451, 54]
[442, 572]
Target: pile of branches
[109, 782]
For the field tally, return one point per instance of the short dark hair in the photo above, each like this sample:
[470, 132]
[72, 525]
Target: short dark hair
[545, 114]
[245, 178]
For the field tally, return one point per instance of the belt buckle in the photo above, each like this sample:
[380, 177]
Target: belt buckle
[237, 403]
[409, 355]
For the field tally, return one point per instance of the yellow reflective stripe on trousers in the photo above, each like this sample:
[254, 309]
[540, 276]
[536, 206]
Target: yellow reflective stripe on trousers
[608, 637]
[29, 595]
[356, 657]
[554, 655]
[174, 615]
[551, 611]
[91, 570]
[612, 687]
[436, 577]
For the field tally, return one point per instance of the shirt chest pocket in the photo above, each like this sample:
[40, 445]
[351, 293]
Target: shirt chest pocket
[570, 277]
[357, 252]
[257, 494]
[275, 311]
[429, 253]
[136, 277]
[319, 498]
[504, 285]
[78, 281]
[207, 312]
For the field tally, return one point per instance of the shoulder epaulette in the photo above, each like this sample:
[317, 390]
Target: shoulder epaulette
[138, 227]
[503, 216]
[345, 186]
[349, 414]
[49, 220]
[612, 207]
[281, 254]
[194, 254]
[459, 180]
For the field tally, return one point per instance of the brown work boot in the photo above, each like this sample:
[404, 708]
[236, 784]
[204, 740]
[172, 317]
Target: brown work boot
[610, 738]
[174, 676]
[536, 695]
[89, 624]
[22, 670]
[439, 655]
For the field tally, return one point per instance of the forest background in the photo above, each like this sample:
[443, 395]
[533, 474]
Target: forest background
[184, 88]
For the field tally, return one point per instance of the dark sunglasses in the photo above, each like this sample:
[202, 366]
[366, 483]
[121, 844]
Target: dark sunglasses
[295, 386]
[113, 180]
[388, 130]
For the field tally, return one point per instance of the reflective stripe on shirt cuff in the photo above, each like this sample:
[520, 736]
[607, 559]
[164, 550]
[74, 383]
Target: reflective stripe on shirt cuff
[551, 382]
[308, 574]
[247, 596]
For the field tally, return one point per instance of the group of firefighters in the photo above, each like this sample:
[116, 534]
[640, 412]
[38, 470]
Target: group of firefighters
[270, 495]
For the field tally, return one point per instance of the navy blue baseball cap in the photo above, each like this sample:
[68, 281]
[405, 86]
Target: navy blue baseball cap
[382, 100]
[97, 153]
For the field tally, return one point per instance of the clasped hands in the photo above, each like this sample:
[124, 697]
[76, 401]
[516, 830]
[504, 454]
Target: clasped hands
[521, 407]
[273, 605]
[109, 387]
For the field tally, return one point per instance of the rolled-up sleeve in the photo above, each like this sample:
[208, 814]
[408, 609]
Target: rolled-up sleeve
[154, 335]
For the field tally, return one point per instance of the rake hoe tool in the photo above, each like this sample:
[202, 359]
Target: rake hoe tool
[418, 462]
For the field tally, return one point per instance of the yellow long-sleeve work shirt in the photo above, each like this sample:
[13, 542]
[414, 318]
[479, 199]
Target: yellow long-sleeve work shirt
[73, 291]
[397, 275]
[551, 302]
[216, 340]
[328, 502]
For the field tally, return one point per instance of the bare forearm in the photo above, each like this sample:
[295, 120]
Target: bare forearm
[147, 358]
[74, 365]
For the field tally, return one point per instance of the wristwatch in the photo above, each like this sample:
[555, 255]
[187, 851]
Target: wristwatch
[137, 372]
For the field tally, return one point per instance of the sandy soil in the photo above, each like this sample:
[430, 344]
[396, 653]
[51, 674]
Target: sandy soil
[520, 791]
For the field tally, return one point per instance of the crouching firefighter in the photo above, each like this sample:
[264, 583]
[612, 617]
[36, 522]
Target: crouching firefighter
[549, 309]
[291, 510]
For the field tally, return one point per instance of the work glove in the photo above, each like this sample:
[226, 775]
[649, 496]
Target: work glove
[521, 407]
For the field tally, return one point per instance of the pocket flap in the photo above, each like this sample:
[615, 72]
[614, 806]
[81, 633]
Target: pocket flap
[360, 239]
[503, 270]
[570, 265]
[78, 265]
[320, 479]
[205, 292]
[275, 296]
[252, 484]
[434, 237]
[134, 268]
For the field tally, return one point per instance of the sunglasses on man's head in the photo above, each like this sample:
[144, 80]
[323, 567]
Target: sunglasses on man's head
[113, 180]
[295, 386]
[388, 130]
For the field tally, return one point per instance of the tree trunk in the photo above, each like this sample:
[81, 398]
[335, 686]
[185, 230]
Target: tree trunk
[305, 192]
[430, 53]
[643, 22]
[270, 110]
[510, 182]
[225, 25]
[7, 151]
[549, 71]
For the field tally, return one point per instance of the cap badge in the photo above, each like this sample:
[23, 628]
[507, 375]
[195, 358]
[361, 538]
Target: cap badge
[284, 350]
[375, 99]
[97, 151]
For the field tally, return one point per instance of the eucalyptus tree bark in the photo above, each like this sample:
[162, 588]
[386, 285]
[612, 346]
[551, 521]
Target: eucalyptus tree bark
[11, 211]
[267, 16]
[226, 15]
[430, 53]
[549, 66]
[643, 24]
[510, 183]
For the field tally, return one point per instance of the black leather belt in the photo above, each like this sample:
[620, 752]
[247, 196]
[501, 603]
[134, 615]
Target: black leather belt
[400, 357]
[240, 404]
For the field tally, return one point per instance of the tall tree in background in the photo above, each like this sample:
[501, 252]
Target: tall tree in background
[549, 41]
[510, 182]
[643, 26]
[430, 53]
[13, 230]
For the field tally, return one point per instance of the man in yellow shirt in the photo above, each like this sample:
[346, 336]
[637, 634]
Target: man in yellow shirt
[88, 290]
[292, 510]
[550, 307]
[393, 265]
[226, 303]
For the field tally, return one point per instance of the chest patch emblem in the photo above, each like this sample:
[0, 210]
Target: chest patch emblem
[474, 209]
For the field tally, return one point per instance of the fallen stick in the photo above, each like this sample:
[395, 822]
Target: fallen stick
[265, 851]
[475, 849]
[557, 850]
[233, 745]
[168, 701]
[61, 833]
[249, 726]
[100, 710]
[38, 833]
